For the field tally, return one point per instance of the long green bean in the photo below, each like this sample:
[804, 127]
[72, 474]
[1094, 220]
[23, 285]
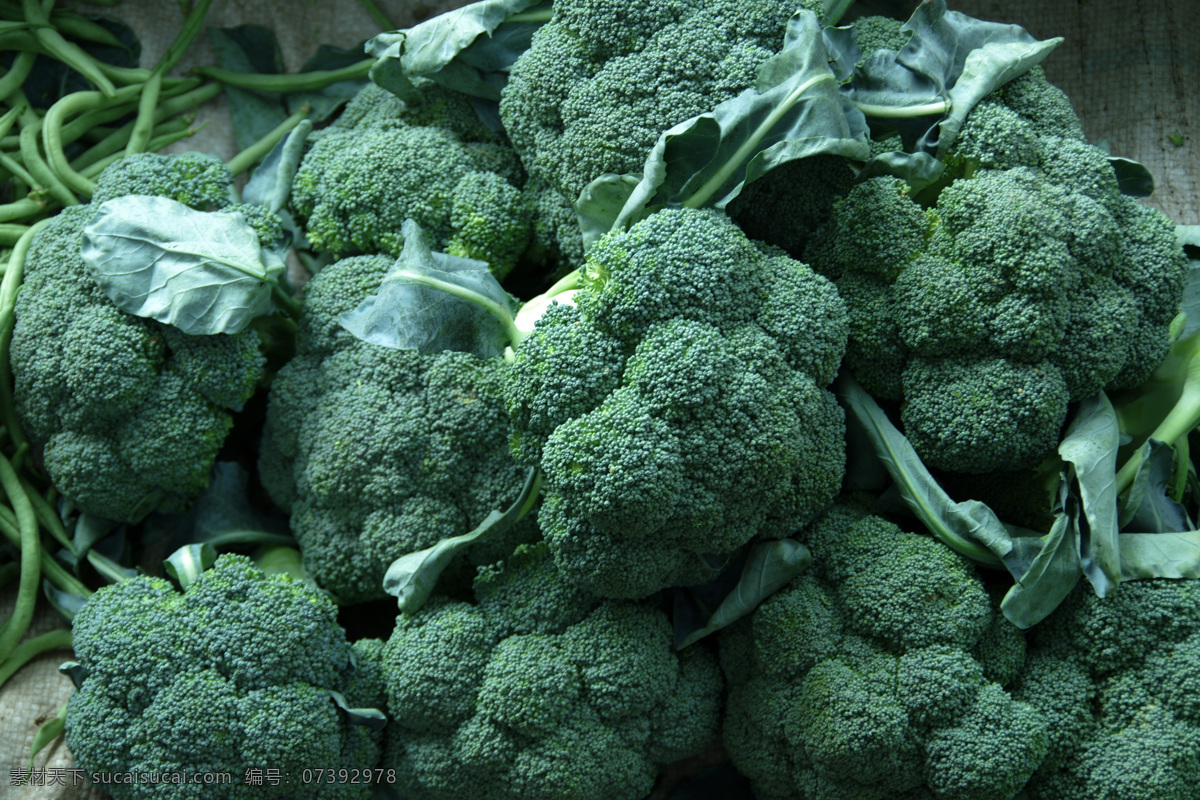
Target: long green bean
[156, 144]
[67, 52]
[51, 569]
[14, 274]
[296, 82]
[31, 570]
[27, 651]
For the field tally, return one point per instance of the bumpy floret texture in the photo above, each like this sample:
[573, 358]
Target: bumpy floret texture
[871, 676]
[127, 414]
[232, 674]
[1118, 678]
[603, 78]
[1030, 283]
[678, 410]
[378, 452]
[541, 691]
[429, 159]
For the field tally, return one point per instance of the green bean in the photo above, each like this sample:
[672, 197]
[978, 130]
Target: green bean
[47, 517]
[376, 14]
[31, 569]
[143, 126]
[11, 234]
[27, 651]
[74, 130]
[22, 209]
[116, 141]
[53, 140]
[16, 169]
[16, 75]
[83, 28]
[51, 569]
[296, 82]
[70, 54]
[13, 276]
[156, 144]
[38, 168]
[252, 154]
[187, 32]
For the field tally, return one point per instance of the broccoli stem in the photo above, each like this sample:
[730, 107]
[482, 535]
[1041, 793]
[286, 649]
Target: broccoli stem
[27, 651]
[904, 112]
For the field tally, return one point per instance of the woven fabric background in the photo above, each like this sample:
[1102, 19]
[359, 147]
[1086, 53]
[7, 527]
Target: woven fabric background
[1131, 68]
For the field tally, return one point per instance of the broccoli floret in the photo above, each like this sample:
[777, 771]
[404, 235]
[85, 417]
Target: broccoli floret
[231, 674]
[541, 690]
[863, 679]
[1118, 678]
[430, 160]
[378, 452]
[603, 79]
[677, 411]
[1026, 282]
[127, 414]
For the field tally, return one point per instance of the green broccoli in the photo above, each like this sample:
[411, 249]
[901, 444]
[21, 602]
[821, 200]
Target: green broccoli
[126, 414]
[603, 79]
[1030, 282]
[234, 673]
[878, 675]
[540, 690]
[378, 452]
[678, 410]
[1118, 679]
[429, 159]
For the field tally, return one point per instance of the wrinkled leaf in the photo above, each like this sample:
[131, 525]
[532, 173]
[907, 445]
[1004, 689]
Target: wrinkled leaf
[1148, 506]
[969, 528]
[65, 603]
[1191, 299]
[271, 183]
[250, 49]
[600, 203]
[769, 567]
[469, 49]
[412, 577]
[950, 58]
[1133, 178]
[432, 302]
[203, 272]
[1050, 578]
[795, 110]
[1160, 555]
[1090, 447]
[187, 563]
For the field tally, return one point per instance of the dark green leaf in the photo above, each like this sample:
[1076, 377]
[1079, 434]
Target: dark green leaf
[1191, 294]
[1148, 506]
[1051, 576]
[187, 563]
[412, 577]
[469, 49]
[432, 302]
[1132, 177]
[203, 272]
[769, 567]
[371, 718]
[88, 530]
[75, 671]
[969, 528]
[795, 110]
[64, 603]
[600, 204]
[250, 49]
[47, 733]
[109, 569]
[1090, 446]
[324, 102]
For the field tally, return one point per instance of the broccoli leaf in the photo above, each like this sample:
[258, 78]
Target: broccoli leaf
[1160, 555]
[250, 49]
[187, 563]
[469, 49]
[1090, 449]
[271, 182]
[412, 577]
[1133, 178]
[203, 272]
[795, 110]
[969, 528]
[432, 302]
[1050, 576]
[600, 204]
[769, 567]
[1148, 507]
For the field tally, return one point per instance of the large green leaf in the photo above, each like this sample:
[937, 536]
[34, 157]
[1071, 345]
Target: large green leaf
[795, 110]
[1148, 506]
[1089, 447]
[1160, 555]
[271, 183]
[203, 272]
[1050, 577]
[469, 49]
[432, 302]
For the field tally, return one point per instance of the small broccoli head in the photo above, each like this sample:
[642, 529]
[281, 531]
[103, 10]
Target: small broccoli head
[541, 691]
[863, 678]
[233, 673]
[678, 411]
[126, 413]
[379, 452]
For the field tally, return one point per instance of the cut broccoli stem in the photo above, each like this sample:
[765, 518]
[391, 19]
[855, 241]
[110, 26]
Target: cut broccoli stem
[904, 112]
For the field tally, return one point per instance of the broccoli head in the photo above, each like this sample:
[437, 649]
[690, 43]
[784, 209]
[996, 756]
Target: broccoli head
[1030, 282]
[603, 79]
[541, 691]
[677, 410]
[378, 452]
[127, 414]
[235, 672]
[429, 159]
[1118, 678]
[878, 675]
